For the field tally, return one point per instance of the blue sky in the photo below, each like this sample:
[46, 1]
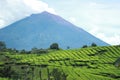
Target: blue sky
[99, 17]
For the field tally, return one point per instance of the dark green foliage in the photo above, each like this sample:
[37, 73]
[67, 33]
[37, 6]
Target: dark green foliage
[10, 50]
[66, 59]
[93, 45]
[118, 45]
[117, 62]
[43, 65]
[110, 75]
[40, 74]
[34, 50]
[2, 45]
[39, 51]
[23, 51]
[48, 73]
[84, 46]
[68, 47]
[54, 46]
[58, 75]
[100, 52]
[6, 71]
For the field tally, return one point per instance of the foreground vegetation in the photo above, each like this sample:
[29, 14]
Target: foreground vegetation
[92, 63]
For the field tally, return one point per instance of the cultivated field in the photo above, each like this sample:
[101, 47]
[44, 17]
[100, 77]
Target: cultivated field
[92, 63]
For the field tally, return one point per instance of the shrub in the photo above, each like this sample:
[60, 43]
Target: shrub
[84, 46]
[2, 45]
[54, 46]
[93, 45]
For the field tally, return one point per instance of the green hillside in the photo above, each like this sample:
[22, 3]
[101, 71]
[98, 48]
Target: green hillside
[92, 63]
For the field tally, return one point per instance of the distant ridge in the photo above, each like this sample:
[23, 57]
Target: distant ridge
[41, 30]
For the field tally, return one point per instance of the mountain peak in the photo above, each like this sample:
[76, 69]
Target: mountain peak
[45, 12]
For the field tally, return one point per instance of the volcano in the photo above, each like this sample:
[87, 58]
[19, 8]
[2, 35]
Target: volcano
[41, 30]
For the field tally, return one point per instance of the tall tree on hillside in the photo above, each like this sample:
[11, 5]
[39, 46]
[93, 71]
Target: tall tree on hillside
[58, 75]
[54, 46]
[2, 45]
[93, 45]
[84, 46]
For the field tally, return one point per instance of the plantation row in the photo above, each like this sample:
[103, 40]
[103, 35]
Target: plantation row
[99, 54]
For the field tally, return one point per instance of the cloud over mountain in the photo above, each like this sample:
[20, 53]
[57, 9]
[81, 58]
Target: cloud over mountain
[13, 10]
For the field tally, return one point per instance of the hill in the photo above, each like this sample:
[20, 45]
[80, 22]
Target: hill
[93, 63]
[41, 30]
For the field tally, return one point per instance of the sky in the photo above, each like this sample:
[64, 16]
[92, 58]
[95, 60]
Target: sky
[99, 17]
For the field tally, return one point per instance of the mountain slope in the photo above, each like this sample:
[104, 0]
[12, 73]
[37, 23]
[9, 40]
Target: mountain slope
[41, 30]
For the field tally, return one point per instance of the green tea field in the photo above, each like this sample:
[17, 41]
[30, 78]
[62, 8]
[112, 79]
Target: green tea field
[92, 63]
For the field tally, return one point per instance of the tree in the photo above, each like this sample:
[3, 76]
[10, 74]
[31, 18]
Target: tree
[84, 46]
[58, 75]
[93, 45]
[34, 50]
[2, 45]
[54, 46]
[117, 62]
[39, 51]
[6, 71]
[68, 47]
[23, 51]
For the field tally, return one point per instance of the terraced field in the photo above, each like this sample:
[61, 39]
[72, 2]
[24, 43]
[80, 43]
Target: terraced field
[93, 63]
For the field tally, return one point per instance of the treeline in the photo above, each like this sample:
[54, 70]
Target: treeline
[92, 45]
[53, 46]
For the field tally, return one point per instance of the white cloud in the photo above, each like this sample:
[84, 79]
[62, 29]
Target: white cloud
[72, 19]
[115, 39]
[93, 4]
[13, 10]
[38, 6]
[109, 35]
[102, 20]
[2, 23]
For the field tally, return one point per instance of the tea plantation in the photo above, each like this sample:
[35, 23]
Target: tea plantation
[92, 63]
